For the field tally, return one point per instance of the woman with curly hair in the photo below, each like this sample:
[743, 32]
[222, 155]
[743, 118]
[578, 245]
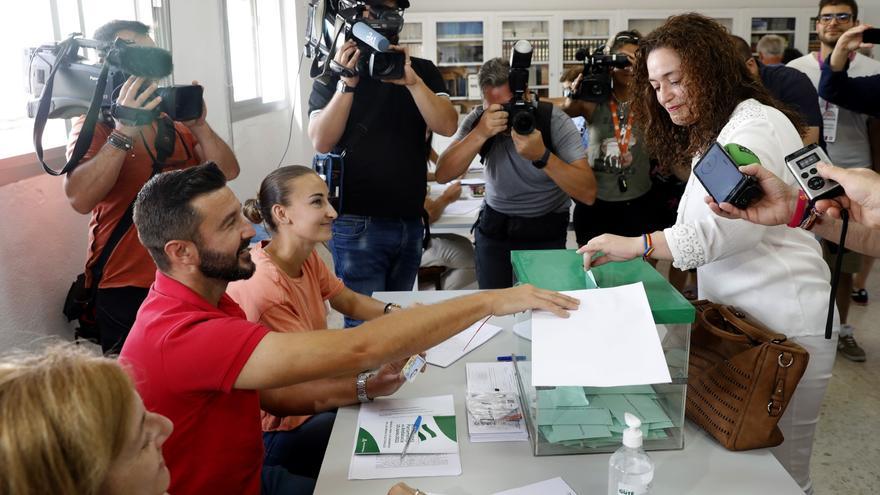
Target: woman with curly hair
[692, 90]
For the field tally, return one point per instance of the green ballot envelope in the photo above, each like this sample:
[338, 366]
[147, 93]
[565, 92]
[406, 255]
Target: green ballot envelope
[581, 420]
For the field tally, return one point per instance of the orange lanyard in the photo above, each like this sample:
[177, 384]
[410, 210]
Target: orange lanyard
[620, 135]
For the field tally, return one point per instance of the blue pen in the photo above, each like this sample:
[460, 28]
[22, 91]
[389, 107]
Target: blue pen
[412, 433]
[511, 358]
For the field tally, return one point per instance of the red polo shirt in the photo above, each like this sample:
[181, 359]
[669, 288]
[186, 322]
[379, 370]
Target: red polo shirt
[184, 355]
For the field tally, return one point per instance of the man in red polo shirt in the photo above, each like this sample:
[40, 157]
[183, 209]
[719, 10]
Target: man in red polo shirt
[197, 360]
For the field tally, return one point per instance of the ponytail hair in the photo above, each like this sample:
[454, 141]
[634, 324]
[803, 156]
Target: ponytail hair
[274, 190]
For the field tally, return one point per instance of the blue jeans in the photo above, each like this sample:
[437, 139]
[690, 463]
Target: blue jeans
[300, 450]
[376, 254]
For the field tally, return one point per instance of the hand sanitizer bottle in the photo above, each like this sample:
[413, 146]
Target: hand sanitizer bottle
[630, 470]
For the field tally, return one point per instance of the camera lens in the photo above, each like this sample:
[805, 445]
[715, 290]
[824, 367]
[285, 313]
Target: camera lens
[523, 122]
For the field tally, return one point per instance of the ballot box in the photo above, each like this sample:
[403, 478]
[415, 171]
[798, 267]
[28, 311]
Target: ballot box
[581, 420]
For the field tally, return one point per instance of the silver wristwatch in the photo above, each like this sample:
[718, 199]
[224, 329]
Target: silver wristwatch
[362, 386]
[343, 88]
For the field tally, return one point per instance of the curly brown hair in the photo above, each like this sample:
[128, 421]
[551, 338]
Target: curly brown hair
[716, 79]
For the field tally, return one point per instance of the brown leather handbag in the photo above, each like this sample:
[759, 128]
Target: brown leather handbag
[741, 377]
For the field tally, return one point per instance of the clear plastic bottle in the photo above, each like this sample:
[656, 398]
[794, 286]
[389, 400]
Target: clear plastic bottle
[630, 470]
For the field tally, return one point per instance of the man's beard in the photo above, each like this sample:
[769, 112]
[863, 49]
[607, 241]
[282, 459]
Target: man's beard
[828, 40]
[226, 267]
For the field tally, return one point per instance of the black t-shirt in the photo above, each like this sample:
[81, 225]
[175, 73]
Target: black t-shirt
[794, 88]
[385, 171]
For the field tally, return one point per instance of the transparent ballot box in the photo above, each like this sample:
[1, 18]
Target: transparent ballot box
[580, 420]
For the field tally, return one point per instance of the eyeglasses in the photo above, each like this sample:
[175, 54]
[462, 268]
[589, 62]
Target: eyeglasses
[842, 17]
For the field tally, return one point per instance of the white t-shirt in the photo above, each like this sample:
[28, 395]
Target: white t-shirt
[775, 274]
[850, 147]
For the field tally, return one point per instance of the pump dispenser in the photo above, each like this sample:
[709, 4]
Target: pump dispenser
[630, 470]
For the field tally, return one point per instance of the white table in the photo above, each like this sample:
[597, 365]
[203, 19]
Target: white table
[702, 467]
[456, 224]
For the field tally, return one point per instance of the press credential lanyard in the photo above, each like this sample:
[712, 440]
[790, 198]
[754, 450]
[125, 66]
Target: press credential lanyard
[620, 135]
[830, 112]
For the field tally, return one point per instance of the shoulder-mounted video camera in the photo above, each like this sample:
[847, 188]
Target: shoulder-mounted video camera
[76, 80]
[520, 112]
[64, 85]
[330, 20]
[596, 83]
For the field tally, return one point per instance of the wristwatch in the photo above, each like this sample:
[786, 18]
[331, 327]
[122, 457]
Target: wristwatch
[343, 88]
[361, 385]
[389, 306]
[542, 162]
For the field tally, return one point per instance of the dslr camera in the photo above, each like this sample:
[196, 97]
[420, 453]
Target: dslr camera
[520, 112]
[75, 83]
[596, 83]
[330, 20]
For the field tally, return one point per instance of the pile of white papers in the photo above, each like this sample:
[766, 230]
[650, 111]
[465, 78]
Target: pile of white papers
[450, 351]
[383, 428]
[496, 380]
[610, 340]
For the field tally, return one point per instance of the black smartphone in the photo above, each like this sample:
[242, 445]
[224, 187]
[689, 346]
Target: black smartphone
[722, 179]
[871, 35]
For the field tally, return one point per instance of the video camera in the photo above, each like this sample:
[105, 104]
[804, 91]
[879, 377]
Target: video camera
[596, 83]
[75, 83]
[520, 112]
[328, 19]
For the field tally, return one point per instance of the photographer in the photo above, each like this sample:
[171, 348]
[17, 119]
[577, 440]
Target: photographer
[859, 94]
[528, 185]
[119, 161]
[383, 184]
[620, 163]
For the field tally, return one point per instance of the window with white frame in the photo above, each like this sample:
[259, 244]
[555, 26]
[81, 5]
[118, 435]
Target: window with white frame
[40, 22]
[256, 57]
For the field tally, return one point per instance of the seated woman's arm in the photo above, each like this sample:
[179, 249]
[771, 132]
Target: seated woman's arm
[357, 306]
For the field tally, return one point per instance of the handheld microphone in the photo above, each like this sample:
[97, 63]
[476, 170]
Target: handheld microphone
[370, 36]
[741, 155]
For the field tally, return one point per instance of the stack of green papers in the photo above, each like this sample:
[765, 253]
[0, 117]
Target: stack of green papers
[593, 416]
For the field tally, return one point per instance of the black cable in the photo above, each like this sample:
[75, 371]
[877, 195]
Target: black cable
[292, 112]
[835, 276]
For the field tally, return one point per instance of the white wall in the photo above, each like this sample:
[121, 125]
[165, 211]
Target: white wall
[42, 248]
[258, 142]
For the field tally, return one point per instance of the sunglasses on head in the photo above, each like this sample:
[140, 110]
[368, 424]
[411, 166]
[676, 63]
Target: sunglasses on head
[841, 17]
[627, 37]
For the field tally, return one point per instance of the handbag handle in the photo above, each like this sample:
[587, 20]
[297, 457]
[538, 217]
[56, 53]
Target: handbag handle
[750, 333]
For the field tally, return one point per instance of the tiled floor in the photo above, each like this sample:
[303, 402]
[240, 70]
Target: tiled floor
[846, 453]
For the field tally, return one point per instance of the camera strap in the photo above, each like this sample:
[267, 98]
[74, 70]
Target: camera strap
[67, 51]
[835, 275]
[133, 116]
[119, 230]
